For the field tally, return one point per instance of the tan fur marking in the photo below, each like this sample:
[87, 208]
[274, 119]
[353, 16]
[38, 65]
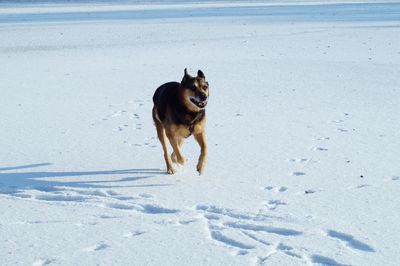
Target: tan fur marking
[175, 135]
[179, 131]
[199, 127]
[177, 152]
[173, 155]
[201, 139]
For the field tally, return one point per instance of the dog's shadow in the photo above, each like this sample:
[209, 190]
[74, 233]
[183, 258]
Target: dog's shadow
[14, 179]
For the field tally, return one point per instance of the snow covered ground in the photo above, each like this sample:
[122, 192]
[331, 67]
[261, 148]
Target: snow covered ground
[303, 132]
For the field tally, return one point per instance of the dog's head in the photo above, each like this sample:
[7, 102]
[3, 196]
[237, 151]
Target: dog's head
[195, 91]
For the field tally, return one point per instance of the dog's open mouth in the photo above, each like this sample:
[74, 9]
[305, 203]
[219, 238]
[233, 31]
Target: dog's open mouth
[200, 104]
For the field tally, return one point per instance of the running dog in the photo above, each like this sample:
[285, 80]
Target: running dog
[178, 113]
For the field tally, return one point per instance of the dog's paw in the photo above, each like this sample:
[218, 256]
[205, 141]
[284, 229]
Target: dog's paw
[200, 168]
[171, 171]
[177, 160]
[181, 160]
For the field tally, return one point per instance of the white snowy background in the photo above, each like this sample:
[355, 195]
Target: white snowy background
[302, 126]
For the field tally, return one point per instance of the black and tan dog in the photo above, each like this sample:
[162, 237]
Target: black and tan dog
[179, 112]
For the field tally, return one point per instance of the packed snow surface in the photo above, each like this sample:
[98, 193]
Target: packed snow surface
[302, 128]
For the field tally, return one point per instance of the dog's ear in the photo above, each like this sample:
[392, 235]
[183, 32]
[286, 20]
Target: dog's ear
[186, 77]
[200, 74]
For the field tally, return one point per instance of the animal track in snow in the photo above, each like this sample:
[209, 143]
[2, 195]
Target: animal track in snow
[128, 119]
[21, 195]
[395, 178]
[145, 195]
[134, 233]
[273, 204]
[218, 236]
[144, 208]
[120, 206]
[263, 228]
[320, 149]
[156, 209]
[143, 203]
[65, 197]
[287, 250]
[217, 212]
[282, 189]
[105, 216]
[211, 216]
[96, 192]
[117, 113]
[297, 173]
[300, 160]
[323, 138]
[78, 195]
[243, 233]
[187, 221]
[258, 239]
[276, 189]
[261, 236]
[97, 247]
[350, 241]
[321, 260]
[130, 112]
[309, 191]
[279, 248]
[43, 262]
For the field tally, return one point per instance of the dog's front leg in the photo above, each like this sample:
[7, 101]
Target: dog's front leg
[201, 139]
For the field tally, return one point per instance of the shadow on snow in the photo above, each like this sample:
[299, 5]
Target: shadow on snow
[11, 182]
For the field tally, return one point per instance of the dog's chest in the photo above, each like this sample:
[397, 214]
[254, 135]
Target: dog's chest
[185, 123]
[183, 131]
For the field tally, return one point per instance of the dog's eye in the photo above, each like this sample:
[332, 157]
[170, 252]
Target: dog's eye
[193, 88]
[205, 88]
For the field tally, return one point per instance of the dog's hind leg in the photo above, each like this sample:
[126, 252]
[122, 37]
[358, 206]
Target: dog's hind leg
[176, 143]
[173, 155]
[162, 137]
[201, 139]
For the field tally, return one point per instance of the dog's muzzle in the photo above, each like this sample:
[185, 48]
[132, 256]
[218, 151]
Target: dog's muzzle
[199, 103]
